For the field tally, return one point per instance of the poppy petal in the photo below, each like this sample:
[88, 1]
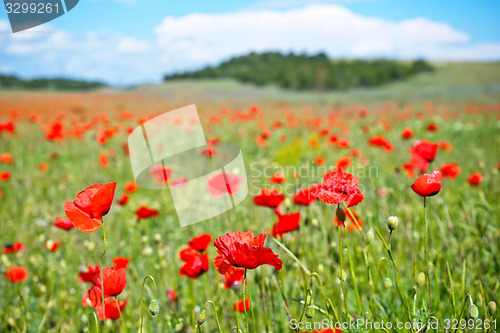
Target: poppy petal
[80, 220]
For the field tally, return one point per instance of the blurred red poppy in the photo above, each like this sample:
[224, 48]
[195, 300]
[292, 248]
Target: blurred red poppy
[427, 184]
[55, 132]
[382, 142]
[451, 170]
[196, 265]
[114, 280]
[338, 187]
[144, 212]
[13, 247]
[475, 178]
[242, 249]
[6, 158]
[307, 196]
[239, 305]
[432, 127]
[200, 243]
[407, 133]
[269, 198]
[131, 187]
[277, 178]
[223, 183]
[5, 175]
[285, 224]
[235, 278]
[121, 262]
[90, 275]
[52, 246]
[320, 160]
[123, 199]
[90, 205]
[112, 308]
[424, 150]
[343, 162]
[64, 224]
[43, 167]
[16, 274]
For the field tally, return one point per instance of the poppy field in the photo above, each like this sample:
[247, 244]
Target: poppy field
[379, 213]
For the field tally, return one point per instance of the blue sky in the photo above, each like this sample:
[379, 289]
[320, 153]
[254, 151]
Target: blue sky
[134, 41]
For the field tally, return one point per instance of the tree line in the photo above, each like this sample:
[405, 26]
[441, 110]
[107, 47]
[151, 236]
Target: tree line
[304, 72]
[14, 82]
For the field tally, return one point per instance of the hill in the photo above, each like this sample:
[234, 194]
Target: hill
[14, 82]
[303, 72]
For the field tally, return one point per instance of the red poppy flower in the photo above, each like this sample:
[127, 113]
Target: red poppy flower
[343, 162]
[5, 175]
[196, 265]
[6, 158]
[235, 278]
[350, 224]
[123, 200]
[16, 274]
[200, 243]
[114, 280]
[239, 305]
[451, 170]
[145, 212]
[407, 133]
[103, 159]
[64, 224]
[277, 178]
[90, 205]
[320, 160]
[121, 262]
[475, 178]
[172, 296]
[131, 187]
[242, 249]
[90, 275]
[223, 183]
[43, 167]
[307, 196]
[285, 224]
[52, 246]
[432, 127]
[13, 247]
[445, 145]
[427, 184]
[344, 143]
[269, 198]
[112, 309]
[382, 142]
[424, 150]
[55, 132]
[338, 187]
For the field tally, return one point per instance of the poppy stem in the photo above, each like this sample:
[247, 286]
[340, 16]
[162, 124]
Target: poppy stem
[290, 253]
[142, 294]
[244, 294]
[341, 271]
[351, 266]
[309, 296]
[360, 228]
[119, 313]
[100, 273]
[427, 258]
[216, 316]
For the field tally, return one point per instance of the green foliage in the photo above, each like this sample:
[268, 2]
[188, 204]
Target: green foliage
[13, 82]
[303, 72]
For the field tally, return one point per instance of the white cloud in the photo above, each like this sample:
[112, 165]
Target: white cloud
[194, 40]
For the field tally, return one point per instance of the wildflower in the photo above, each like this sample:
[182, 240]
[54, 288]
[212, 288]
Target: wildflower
[16, 274]
[285, 224]
[340, 187]
[269, 198]
[427, 185]
[392, 223]
[277, 178]
[407, 133]
[121, 262]
[451, 170]
[240, 307]
[13, 247]
[200, 243]
[475, 178]
[89, 275]
[306, 196]
[64, 224]
[114, 280]
[131, 187]
[90, 205]
[144, 212]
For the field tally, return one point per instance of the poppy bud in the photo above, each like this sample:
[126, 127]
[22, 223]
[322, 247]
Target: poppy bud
[154, 308]
[420, 279]
[492, 306]
[202, 317]
[370, 236]
[310, 312]
[340, 214]
[387, 283]
[308, 297]
[473, 311]
[392, 223]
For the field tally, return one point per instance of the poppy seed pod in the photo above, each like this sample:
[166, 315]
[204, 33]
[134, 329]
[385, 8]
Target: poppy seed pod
[420, 279]
[340, 214]
[310, 312]
[392, 223]
[473, 311]
[492, 306]
[370, 236]
[387, 283]
[154, 308]
[202, 317]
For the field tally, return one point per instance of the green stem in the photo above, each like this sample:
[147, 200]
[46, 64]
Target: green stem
[244, 294]
[142, 294]
[290, 253]
[351, 266]
[96, 321]
[100, 273]
[463, 308]
[119, 313]
[341, 270]
[357, 223]
[427, 259]
[216, 316]
[327, 300]
[306, 304]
